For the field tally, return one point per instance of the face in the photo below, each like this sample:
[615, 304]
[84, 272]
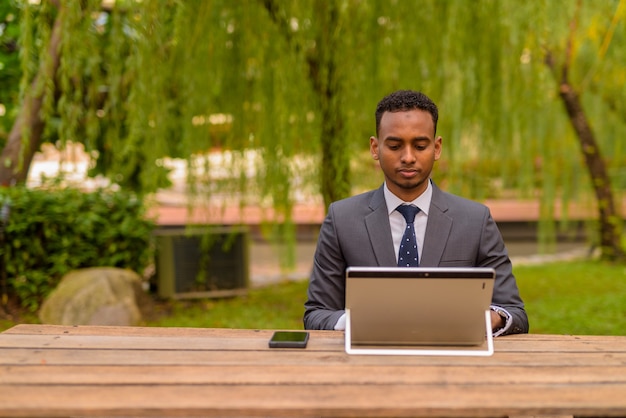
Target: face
[406, 150]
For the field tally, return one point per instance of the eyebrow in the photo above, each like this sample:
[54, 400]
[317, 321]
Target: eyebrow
[417, 138]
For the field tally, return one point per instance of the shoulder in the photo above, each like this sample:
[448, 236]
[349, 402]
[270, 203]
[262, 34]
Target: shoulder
[369, 199]
[448, 202]
[456, 200]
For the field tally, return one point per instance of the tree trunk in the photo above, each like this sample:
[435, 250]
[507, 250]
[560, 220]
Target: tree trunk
[610, 221]
[17, 154]
[327, 83]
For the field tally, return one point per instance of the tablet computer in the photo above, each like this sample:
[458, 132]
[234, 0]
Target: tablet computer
[419, 309]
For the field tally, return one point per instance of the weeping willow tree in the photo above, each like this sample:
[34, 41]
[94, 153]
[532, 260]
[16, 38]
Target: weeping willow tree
[531, 95]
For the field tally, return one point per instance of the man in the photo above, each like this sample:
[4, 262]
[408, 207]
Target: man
[366, 230]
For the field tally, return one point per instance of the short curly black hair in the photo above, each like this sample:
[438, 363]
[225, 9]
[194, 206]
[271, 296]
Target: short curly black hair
[403, 100]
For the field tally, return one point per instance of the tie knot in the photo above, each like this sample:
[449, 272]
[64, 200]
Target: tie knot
[409, 212]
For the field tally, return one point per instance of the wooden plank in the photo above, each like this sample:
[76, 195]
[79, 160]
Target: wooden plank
[38, 356]
[381, 375]
[103, 330]
[154, 338]
[85, 342]
[42, 329]
[47, 329]
[336, 400]
[214, 339]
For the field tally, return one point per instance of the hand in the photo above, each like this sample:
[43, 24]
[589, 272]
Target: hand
[497, 321]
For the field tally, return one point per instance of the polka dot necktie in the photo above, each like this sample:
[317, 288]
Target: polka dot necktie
[407, 255]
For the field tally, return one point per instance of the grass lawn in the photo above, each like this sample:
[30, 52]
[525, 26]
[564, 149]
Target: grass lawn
[277, 306]
[581, 297]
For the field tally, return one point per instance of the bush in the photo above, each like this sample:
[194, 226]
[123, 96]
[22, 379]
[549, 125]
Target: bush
[49, 232]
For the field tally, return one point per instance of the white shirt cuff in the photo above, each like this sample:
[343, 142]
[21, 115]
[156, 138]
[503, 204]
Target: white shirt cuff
[509, 319]
[341, 323]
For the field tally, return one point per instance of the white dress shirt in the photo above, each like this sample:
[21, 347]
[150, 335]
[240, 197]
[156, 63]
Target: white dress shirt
[398, 223]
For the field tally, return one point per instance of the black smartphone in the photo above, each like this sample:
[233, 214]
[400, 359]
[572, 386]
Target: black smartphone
[289, 339]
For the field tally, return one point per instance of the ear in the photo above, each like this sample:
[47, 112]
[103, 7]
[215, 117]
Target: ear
[438, 145]
[374, 147]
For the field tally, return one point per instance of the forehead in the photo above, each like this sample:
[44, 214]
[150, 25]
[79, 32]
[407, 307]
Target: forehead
[415, 122]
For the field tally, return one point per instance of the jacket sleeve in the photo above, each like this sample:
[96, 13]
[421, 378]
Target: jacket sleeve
[506, 294]
[326, 293]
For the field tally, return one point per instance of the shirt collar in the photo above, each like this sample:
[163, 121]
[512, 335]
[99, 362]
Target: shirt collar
[422, 201]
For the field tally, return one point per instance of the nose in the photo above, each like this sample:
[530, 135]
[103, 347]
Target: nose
[408, 155]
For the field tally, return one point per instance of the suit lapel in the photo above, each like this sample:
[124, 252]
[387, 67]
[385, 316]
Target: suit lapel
[379, 231]
[437, 230]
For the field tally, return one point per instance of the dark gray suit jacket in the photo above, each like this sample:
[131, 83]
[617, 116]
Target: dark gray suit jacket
[356, 232]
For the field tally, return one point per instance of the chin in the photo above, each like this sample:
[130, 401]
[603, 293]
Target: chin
[411, 184]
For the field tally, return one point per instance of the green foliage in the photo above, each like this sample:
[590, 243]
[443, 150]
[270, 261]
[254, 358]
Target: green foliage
[143, 81]
[52, 231]
[9, 66]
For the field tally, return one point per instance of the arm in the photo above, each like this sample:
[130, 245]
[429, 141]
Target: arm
[326, 293]
[506, 295]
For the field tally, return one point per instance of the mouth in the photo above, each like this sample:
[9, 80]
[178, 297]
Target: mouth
[408, 173]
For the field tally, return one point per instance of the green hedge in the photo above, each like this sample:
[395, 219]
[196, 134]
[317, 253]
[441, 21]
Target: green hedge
[52, 231]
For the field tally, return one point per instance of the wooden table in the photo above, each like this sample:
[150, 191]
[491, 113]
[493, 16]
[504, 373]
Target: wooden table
[50, 370]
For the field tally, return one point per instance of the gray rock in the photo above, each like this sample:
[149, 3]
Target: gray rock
[94, 296]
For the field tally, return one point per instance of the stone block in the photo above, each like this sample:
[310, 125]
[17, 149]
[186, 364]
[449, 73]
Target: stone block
[94, 296]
